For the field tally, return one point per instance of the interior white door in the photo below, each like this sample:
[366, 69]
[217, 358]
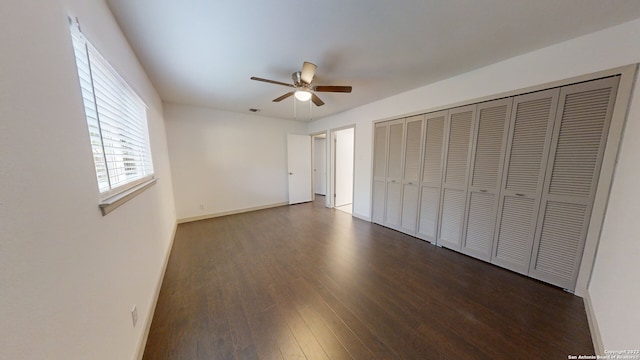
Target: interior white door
[454, 189]
[411, 177]
[299, 165]
[381, 134]
[580, 134]
[531, 129]
[431, 177]
[393, 200]
[320, 165]
[344, 167]
[487, 158]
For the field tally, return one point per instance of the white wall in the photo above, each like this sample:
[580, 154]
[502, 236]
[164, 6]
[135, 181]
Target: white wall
[609, 48]
[225, 161]
[69, 277]
[615, 282]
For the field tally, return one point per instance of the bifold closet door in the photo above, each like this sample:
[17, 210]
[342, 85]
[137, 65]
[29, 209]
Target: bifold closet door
[395, 157]
[379, 171]
[431, 177]
[411, 174]
[487, 158]
[454, 188]
[579, 137]
[528, 145]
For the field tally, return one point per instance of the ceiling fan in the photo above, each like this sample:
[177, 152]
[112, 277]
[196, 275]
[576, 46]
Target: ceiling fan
[304, 90]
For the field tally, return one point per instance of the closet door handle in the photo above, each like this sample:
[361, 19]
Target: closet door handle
[518, 194]
[483, 190]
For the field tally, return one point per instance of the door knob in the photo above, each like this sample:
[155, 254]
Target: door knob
[290, 173]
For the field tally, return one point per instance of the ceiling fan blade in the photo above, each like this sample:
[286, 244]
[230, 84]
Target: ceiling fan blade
[271, 81]
[283, 96]
[316, 100]
[308, 72]
[332, 88]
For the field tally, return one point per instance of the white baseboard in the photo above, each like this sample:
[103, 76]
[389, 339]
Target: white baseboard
[596, 338]
[231, 212]
[147, 326]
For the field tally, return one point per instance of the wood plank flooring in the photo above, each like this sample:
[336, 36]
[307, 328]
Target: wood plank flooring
[307, 282]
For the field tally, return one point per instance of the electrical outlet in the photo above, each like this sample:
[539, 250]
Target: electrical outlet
[134, 315]
[201, 206]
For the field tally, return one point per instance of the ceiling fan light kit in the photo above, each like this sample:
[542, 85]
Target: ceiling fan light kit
[304, 91]
[302, 95]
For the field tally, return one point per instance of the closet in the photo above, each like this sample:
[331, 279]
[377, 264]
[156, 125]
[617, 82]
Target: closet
[393, 176]
[380, 141]
[397, 165]
[411, 174]
[577, 148]
[454, 184]
[510, 181]
[487, 157]
[520, 193]
[431, 176]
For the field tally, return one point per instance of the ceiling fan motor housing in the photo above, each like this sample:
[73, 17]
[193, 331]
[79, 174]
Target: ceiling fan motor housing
[297, 80]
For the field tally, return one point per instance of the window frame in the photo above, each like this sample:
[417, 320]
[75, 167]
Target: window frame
[117, 123]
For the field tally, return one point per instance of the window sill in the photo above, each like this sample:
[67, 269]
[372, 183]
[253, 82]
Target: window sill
[112, 203]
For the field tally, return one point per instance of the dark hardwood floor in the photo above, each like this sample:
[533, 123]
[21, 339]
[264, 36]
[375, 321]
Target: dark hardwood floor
[307, 282]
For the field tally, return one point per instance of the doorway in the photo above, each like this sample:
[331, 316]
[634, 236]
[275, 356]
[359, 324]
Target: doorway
[320, 164]
[342, 179]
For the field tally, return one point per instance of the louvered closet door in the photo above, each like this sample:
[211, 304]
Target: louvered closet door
[487, 158]
[411, 176]
[379, 171]
[431, 177]
[579, 138]
[393, 199]
[530, 131]
[454, 189]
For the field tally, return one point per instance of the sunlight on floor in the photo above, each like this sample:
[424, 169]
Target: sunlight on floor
[346, 208]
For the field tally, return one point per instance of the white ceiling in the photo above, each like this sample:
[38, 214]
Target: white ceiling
[203, 52]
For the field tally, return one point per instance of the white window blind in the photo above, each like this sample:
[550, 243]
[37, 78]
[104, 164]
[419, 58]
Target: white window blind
[116, 119]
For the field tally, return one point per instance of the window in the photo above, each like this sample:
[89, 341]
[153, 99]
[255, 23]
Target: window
[117, 122]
